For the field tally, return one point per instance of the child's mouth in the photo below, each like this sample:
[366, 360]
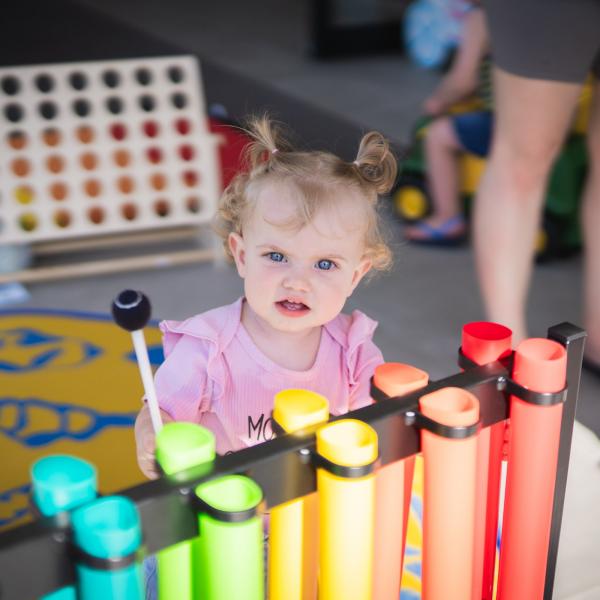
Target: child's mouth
[292, 309]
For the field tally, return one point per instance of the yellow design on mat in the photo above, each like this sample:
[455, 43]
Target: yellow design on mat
[411, 575]
[69, 383]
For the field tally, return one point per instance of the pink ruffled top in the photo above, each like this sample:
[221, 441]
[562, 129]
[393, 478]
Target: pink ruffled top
[214, 374]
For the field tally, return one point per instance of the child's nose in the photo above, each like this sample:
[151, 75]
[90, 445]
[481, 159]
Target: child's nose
[297, 280]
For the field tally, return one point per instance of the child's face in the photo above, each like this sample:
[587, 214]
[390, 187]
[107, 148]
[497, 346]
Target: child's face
[299, 279]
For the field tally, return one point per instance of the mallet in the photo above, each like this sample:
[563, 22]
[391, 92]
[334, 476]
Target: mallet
[131, 311]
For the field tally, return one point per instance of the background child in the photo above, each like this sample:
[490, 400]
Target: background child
[449, 135]
[303, 230]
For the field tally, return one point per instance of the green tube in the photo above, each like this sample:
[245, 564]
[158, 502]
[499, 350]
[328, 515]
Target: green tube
[180, 446]
[230, 554]
[110, 527]
[60, 483]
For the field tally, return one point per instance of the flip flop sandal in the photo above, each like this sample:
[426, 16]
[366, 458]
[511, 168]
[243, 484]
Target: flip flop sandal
[440, 236]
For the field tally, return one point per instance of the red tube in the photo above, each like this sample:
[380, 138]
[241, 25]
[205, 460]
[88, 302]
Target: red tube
[485, 342]
[540, 365]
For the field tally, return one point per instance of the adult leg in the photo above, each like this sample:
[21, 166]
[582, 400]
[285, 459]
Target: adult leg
[441, 153]
[590, 217]
[532, 117]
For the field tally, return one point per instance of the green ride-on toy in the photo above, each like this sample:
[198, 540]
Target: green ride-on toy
[559, 234]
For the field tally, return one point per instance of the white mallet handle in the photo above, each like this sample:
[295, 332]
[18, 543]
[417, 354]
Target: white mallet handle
[141, 353]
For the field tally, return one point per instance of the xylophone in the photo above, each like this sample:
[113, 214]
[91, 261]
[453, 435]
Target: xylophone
[337, 491]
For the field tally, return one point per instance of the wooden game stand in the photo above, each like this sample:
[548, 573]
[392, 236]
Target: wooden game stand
[139, 261]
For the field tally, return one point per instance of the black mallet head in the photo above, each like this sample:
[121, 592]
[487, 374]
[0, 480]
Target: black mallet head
[131, 310]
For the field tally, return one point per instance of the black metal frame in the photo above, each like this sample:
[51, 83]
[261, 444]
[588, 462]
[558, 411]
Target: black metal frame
[284, 469]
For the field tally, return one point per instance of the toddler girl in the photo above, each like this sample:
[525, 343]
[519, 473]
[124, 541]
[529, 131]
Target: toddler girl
[303, 230]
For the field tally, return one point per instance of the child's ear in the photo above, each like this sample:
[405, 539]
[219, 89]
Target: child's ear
[361, 270]
[236, 244]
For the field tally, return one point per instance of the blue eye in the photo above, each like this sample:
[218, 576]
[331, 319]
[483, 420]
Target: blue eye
[325, 265]
[276, 256]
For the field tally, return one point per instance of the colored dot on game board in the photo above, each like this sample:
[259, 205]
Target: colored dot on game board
[10, 85]
[96, 215]
[143, 76]
[92, 187]
[28, 221]
[193, 204]
[190, 178]
[85, 134]
[179, 100]
[111, 78]
[162, 208]
[88, 161]
[51, 136]
[44, 83]
[59, 191]
[114, 105]
[183, 126]
[118, 131]
[82, 107]
[14, 112]
[48, 110]
[17, 140]
[129, 211]
[121, 158]
[55, 163]
[147, 103]
[78, 80]
[186, 152]
[154, 155]
[158, 181]
[151, 128]
[62, 218]
[20, 167]
[24, 194]
[125, 185]
[175, 74]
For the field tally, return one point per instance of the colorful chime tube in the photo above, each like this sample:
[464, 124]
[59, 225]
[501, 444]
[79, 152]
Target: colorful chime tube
[229, 553]
[450, 467]
[293, 529]
[180, 446]
[60, 483]
[346, 509]
[108, 530]
[393, 484]
[484, 342]
[539, 365]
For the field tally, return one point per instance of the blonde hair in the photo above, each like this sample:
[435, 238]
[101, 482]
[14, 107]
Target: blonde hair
[316, 177]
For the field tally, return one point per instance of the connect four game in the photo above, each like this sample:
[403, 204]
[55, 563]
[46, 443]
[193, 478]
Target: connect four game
[105, 147]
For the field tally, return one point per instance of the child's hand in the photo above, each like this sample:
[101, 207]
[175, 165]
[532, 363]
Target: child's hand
[145, 441]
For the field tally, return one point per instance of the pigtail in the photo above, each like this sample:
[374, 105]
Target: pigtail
[376, 163]
[268, 139]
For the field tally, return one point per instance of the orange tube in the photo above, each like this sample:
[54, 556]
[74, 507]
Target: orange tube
[392, 482]
[540, 365]
[485, 342]
[449, 497]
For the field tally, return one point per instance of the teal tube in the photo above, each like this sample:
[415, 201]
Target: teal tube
[230, 554]
[180, 446]
[108, 528]
[60, 483]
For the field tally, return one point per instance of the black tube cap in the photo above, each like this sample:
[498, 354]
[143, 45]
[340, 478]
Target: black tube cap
[131, 310]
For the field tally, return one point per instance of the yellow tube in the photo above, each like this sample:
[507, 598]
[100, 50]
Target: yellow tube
[346, 511]
[293, 535]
